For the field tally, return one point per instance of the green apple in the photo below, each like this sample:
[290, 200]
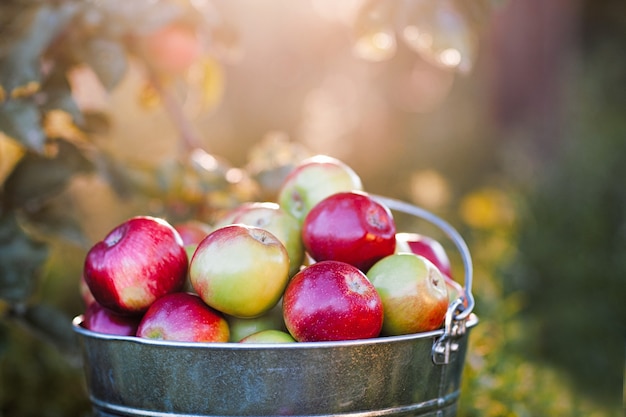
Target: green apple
[271, 217]
[240, 270]
[242, 327]
[314, 179]
[269, 336]
[413, 292]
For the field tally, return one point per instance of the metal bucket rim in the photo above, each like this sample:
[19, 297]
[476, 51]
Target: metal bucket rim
[471, 321]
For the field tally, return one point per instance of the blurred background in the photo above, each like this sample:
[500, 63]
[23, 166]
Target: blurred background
[503, 117]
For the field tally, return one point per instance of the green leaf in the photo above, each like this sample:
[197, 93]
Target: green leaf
[21, 258]
[52, 324]
[54, 219]
[122, 178]
[4, 339]
[21, 120]
[58, 95]
[108, 60]
[141, 16]
[24, 40]
[36, 178]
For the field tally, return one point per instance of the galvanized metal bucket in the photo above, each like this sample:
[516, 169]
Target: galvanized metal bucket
[410, 375]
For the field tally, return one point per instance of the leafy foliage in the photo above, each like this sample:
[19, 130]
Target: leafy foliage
[41, 43]
[20, 259]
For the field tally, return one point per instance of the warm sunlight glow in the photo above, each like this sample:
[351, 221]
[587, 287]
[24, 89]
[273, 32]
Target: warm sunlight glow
[376, 46]
[450, 57]
[234, 175]
[430, 189]
[383, 40]
[417, 39]
[204, 159]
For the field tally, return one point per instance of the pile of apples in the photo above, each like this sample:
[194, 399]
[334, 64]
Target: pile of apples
[322, 263]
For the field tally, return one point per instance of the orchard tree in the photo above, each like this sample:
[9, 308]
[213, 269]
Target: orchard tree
[46, 138]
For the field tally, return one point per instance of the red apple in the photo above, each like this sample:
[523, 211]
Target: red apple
[242, 327]
[314, 179]
[349, 227]
[413, 293]
[138, 262]
[85, 292]
[240, 270]
[332, 300]
[426, 246]
[192, 232]
[271, 217]
[268, 336]
[171, 49]
[102, 320]
[183, 317]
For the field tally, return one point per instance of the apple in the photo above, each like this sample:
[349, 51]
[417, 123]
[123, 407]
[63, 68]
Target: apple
[349, 227]
[332, 300]
[413, 292]
[271, 217]
[269, 336]
[183, 317]
[228, 216]
[102, 320]
[171, 49]
[426, 246]
[242, 327]
[314, 179]
[240, 270]
[455, 290]
[138, 262]
[192, 232]
[85, 292]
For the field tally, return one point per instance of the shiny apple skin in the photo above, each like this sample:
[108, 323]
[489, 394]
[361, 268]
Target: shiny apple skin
[271, 217]
[243, 327]
[102, 320]
[240, 270]
[413, 292]
[192, 232]
[314, 179]
[85, 293]
[428, 247]
[349, 227]
[138, 262]
[183, 317]
[332, 301]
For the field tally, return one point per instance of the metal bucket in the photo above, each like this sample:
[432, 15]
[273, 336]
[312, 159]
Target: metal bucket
[410, 375]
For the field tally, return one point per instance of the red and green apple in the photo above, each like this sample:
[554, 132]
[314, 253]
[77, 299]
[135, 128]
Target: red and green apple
[413, 292]
[240, 270]
[314, 179]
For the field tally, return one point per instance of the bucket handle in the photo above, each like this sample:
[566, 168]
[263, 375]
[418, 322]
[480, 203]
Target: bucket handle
[461, 308]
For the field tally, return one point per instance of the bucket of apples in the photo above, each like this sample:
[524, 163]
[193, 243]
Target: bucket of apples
[311, 305]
